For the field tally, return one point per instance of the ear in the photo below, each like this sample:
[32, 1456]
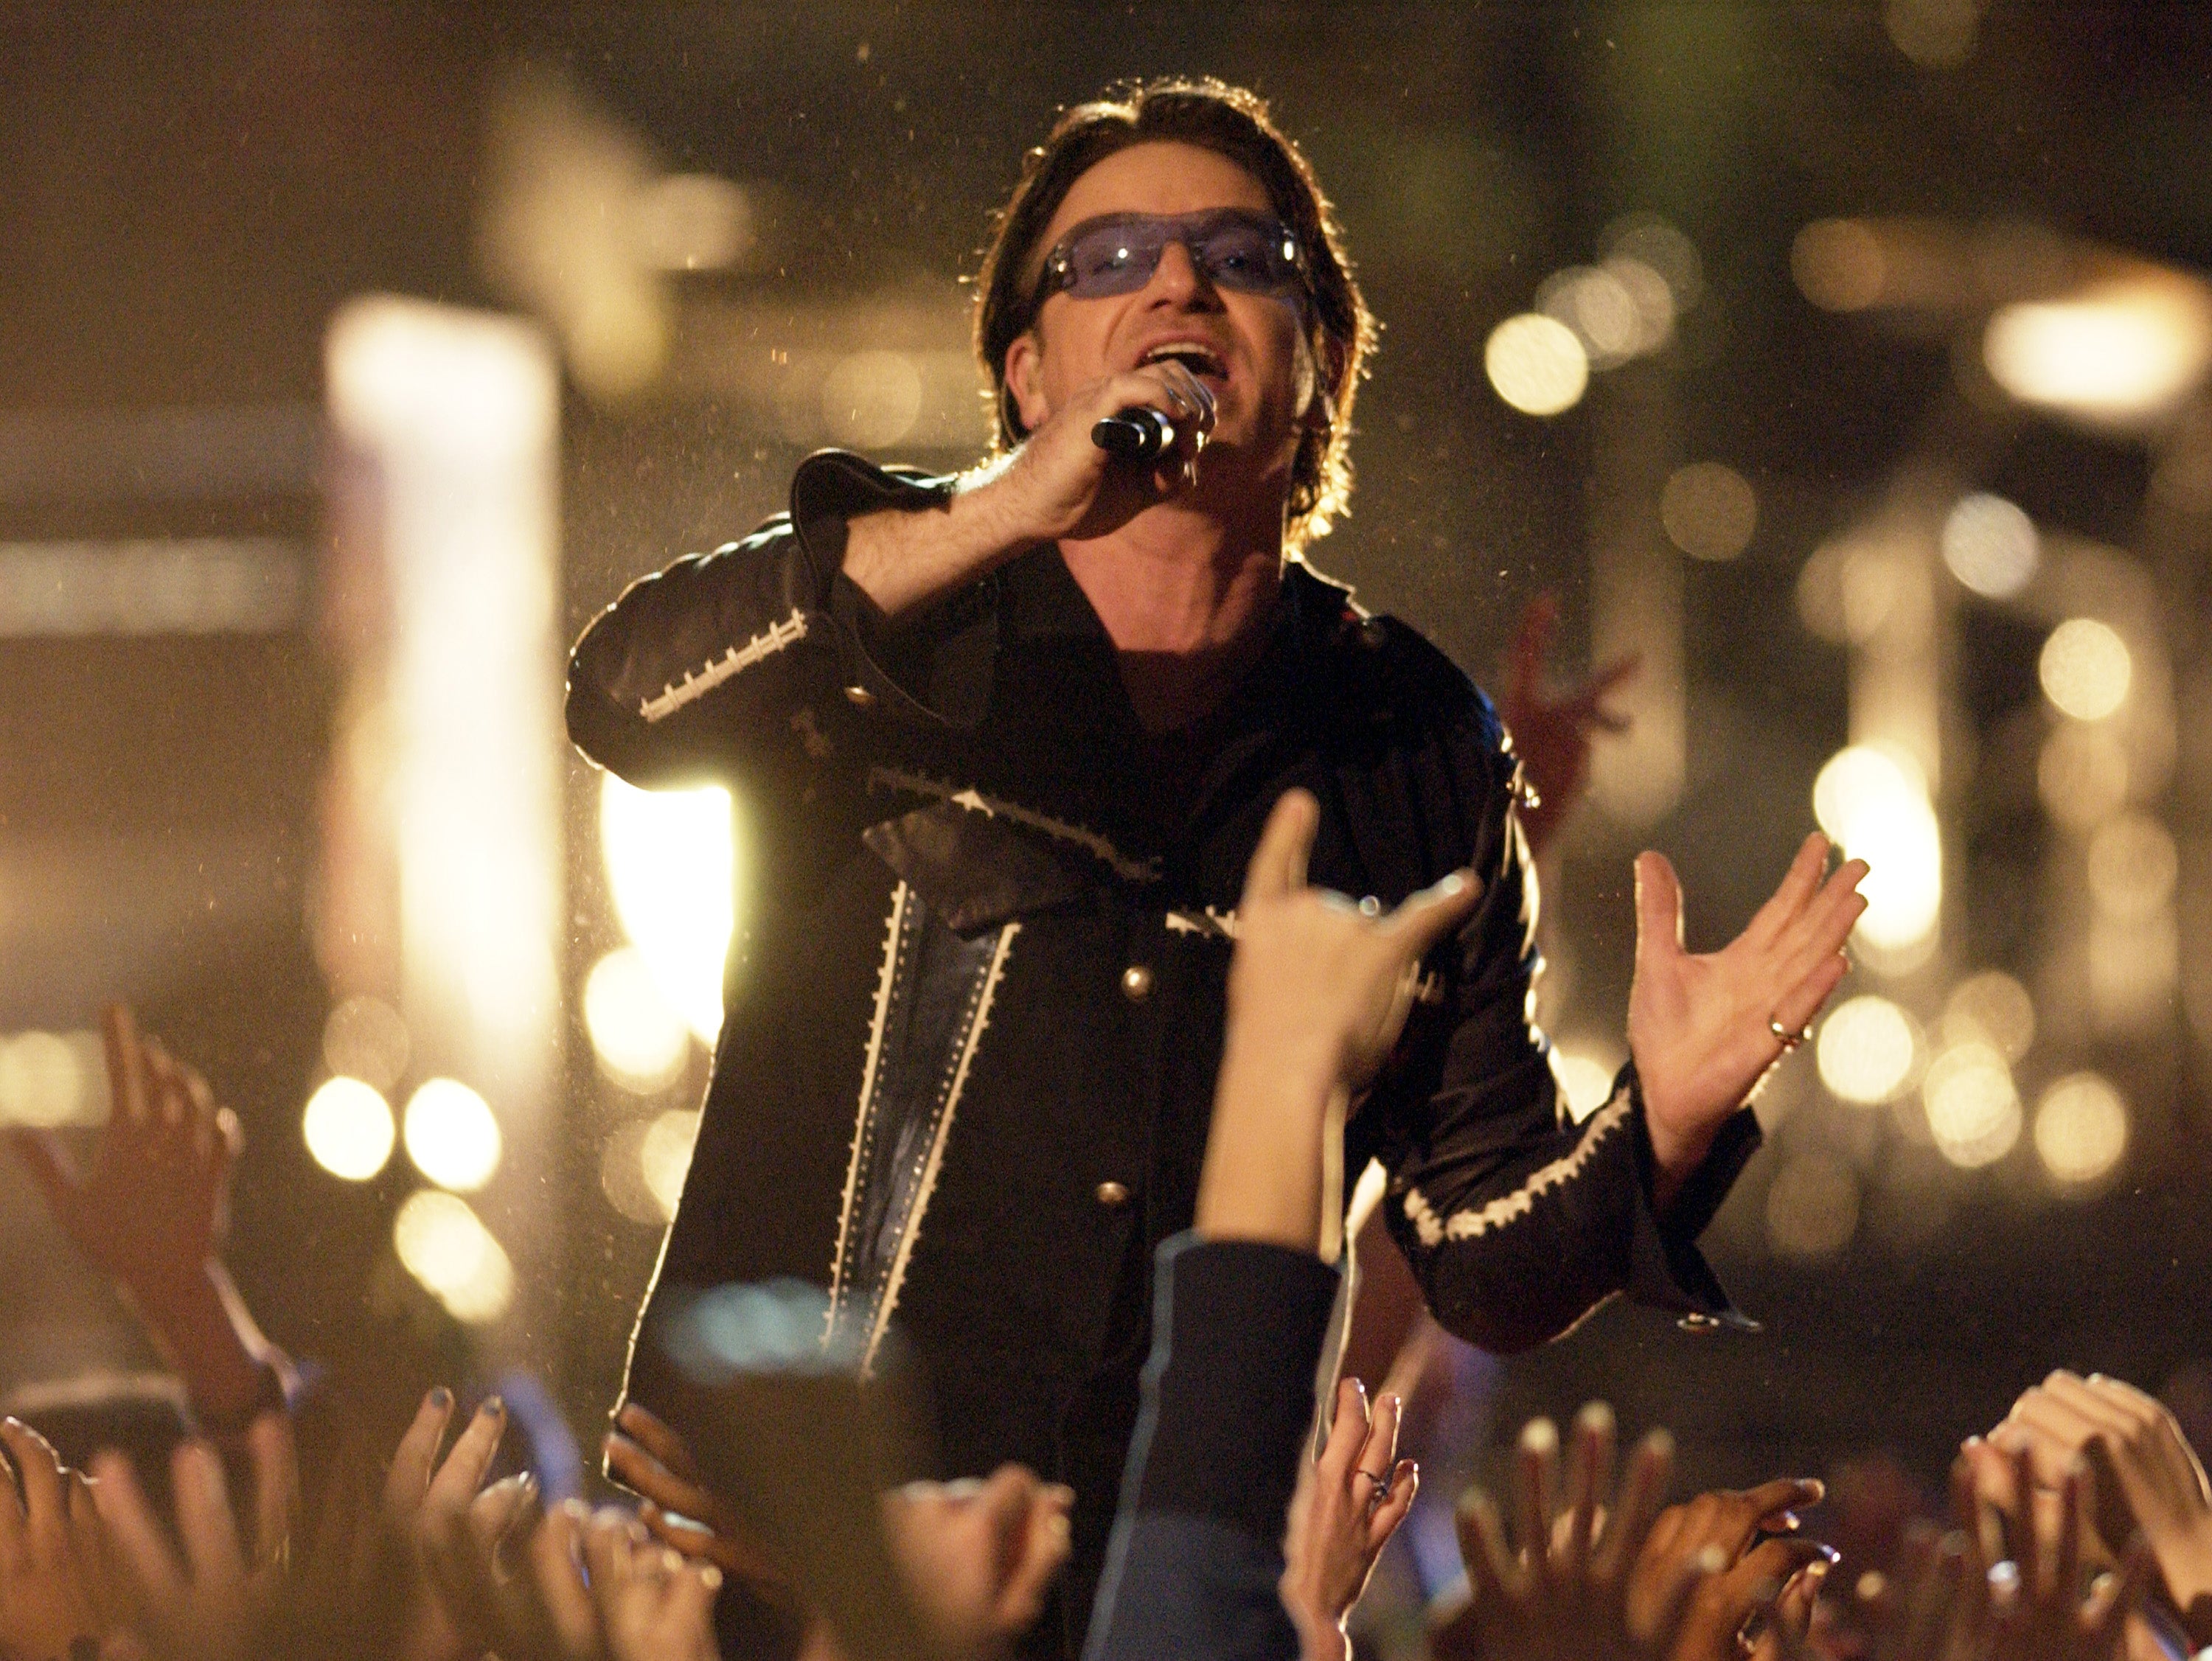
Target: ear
[1024, 380]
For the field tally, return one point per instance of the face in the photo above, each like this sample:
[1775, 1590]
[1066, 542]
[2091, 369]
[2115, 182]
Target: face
[1251, 349]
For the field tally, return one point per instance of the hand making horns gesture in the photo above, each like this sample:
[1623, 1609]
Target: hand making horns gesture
[1705, 1028]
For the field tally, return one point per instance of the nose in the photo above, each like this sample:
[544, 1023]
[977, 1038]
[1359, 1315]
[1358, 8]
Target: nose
[1178, 281]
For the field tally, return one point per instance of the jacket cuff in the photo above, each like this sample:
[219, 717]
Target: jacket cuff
[1666, 1269]
[830, 490]
[1237, 1340]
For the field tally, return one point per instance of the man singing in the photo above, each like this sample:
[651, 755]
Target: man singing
[1005, 743]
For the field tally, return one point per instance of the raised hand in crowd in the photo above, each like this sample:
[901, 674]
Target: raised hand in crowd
[1552, 736]
[1761, 1569]
[1562, 1593]
[2039, 1613]
[441, 1510]
[978, 1556]
[649, 1458]
[1349, 1503]
[152, 1214]
[214, 1603]
[1704, 1028]
[56, 1584]
[2147, 1478]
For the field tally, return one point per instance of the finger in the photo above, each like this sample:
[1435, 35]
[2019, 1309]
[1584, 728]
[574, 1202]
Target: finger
[416, 1457]
[199, 1098]
[1279, 863]
[169, 1106]
[1427, 917]
[1531, 641]
[133, 1529]
[1803, 995]
[1799, 884]
[1769, 1502]
[2117, 1596]
[1490, 1577]
[1534, 1481]
[276, 1458]
[463, 1472]
[637, 1470]
[1378, 1455]
[1584, 707]
[2028, 1551]
[1589, 1475]
[658, 1439]
[205, 1519]
[1397, 1500]
[556, 1567]
[2064, 1564]
[45, 1503]
[1658, 910]
[2095, 1409]
[1347, 1433]
[608, 1538]
[1827, 919]
[40, 1153]
[1642, 1491]
[126, 1065]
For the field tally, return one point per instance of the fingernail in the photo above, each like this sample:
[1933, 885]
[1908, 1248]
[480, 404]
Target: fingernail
[1828, 1559]
[494, 1405]
[576, 1509]
[710, 1577]
[1450, 884]
[441, 1398]
[671, 1559]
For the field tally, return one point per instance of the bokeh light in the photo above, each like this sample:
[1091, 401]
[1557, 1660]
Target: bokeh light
[2085, 669]
[1536, 364]
[2132, 867]
[671, 864]
[1585, 1081]
[1973, 1110]
[1873, 804]
[1646, 240]
[364, 1038]
[641, 1041]
[664, 1156]
[1839, 264]
[45, 1080]
[1936, 34]
[2082, 775]
[1993, 1009]
[1812, 1207]
[2121, 353]
[1990, 545]
[871, 400]
[1868, 1051]
[452, 1135]
[1709, 511]
[2080, 1129]
[348, 1127]
[1618, 311]
[443, 1245]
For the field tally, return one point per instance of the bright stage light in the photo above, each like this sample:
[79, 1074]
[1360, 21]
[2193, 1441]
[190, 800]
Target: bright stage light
[671, 859]
[1973, 1110]
[1618, 311]
[664, 1156]
[1585, 1082]
[641, 1041]
[452, 1135]
[348, 1128]
[1993, 1009]
[45, 1080]
[442, 1244]
[2080, 1129]
[2085, 669]
[2082, 775]
[1868, 1050]
[1537, 364]
[1709, 511]
[1873, 804]
[1990, 545]
[2122, 353]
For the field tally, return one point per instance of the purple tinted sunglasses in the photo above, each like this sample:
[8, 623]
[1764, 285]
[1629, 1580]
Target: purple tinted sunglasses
[1235, 248]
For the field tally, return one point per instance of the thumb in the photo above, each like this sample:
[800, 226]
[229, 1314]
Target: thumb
[1278, 863]
[41, 1156]
[1658, 908]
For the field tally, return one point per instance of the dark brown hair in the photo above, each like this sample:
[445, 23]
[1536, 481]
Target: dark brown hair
[1235, 123]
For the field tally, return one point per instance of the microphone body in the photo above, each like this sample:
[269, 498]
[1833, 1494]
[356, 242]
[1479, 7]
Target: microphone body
[1137, 435]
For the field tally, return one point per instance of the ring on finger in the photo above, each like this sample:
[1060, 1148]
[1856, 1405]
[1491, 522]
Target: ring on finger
[1382, 1487]
[1789, 1039]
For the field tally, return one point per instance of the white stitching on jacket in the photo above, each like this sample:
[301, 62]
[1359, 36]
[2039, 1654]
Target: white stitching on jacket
[716, 671]
[979, 1018]
[1212, 922]
[974, 801]
[863, 1122]
[1508, 1207]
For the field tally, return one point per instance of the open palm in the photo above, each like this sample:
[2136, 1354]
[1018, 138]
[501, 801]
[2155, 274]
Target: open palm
[1705, 1028]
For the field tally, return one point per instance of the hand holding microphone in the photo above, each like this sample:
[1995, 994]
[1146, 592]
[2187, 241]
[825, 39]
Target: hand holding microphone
[1139, 433]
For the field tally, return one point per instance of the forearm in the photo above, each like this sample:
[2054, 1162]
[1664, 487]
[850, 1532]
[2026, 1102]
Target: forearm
[1272, 1106]
[902, 559]
[206, 1333]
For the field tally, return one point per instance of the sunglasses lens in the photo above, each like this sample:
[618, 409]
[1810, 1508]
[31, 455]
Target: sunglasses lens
[1249, 255]
[1114, 260]
[1237, 250]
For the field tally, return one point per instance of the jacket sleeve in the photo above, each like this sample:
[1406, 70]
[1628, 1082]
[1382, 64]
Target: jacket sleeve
[1196, 1556]
[726, 661]
[1517, 1221]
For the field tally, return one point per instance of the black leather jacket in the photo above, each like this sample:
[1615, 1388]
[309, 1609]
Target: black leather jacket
[975, 1007]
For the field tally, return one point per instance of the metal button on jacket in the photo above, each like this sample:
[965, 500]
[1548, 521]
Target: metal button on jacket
[1113, 1193]
[860, 695]
[1136, 983]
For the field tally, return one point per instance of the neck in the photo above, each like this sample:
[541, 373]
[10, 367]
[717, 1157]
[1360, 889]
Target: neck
[1186, 596]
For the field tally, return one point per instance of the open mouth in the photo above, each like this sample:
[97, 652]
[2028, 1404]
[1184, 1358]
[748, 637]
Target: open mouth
[1201, 360]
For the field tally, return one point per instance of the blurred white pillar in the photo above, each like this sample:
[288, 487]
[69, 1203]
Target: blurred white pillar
[1636, 595]
[444, 868]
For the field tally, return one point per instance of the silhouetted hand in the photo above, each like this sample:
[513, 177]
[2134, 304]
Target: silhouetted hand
[1349, 1503]
[1553, 735]
[1702, 1026]
[978, 1556]
[56, 1586]
[1564, 1594]
[646, 1456]
[1744, 1537]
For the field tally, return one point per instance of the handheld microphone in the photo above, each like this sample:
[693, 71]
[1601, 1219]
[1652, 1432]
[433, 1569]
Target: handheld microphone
[1137, 435]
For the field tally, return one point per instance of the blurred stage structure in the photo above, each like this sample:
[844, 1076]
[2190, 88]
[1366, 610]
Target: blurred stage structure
[1849, 363]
